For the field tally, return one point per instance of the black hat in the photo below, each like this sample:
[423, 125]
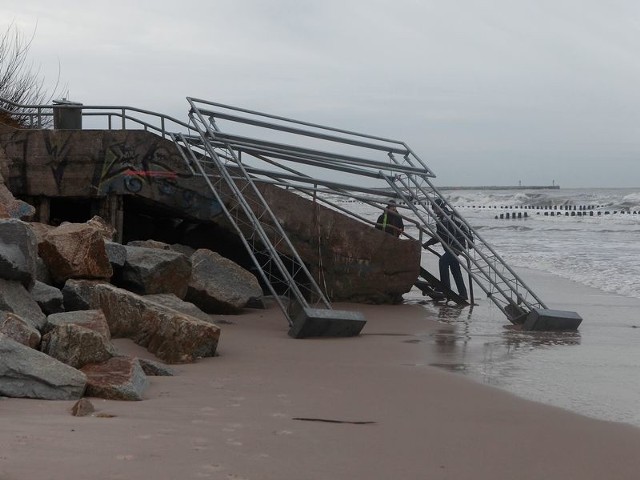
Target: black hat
[442, 206]
[391, 203]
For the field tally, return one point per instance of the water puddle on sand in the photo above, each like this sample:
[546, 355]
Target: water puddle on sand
[585, 371]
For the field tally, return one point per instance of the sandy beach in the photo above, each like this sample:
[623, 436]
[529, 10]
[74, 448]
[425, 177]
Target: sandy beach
[270, 407]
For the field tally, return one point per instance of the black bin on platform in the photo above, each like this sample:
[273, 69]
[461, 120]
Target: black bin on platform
[67, 115]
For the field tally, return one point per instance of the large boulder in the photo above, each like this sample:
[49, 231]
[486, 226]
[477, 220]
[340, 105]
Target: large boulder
[40, 230]
[219, 285]
[117, 254]
[172, 336]
[18, 252]
[169, 300]
[154, 270]
[76, 345]
[119, 378]
[77, 294]
[48, 298]
[75, 250]
[16, 299]
[17, 329]
[91, 319]
[42, 272]
[28, 373]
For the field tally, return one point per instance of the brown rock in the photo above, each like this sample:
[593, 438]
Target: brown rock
[106, 230]
[17, 329]
[91, 319]
[172, 336]
[76, 345]
[40, 230]
[120, 378]
[14, 208]
[82, 408]
[75, 250]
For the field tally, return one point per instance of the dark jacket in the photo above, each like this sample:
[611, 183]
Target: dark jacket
[449, 234]
[390, 222]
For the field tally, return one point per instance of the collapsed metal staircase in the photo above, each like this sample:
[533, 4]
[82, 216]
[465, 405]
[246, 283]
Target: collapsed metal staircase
[240, 161]
[305, 305]
[307, 158]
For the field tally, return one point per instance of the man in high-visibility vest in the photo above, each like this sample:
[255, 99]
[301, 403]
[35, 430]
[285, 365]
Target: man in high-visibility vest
[390, 221]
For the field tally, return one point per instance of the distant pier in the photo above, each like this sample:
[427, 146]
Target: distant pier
[504, 187]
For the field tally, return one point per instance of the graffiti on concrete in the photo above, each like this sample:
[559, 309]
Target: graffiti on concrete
[135, 165]
[94, 164]
[57, 148]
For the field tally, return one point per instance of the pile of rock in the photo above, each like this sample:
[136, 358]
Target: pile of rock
[66, 291]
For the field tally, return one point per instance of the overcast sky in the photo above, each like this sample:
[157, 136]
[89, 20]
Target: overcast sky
[486, 92]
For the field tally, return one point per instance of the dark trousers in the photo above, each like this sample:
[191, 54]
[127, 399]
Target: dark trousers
[448, 261]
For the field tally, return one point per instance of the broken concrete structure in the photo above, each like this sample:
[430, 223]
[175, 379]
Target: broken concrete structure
[141, 185]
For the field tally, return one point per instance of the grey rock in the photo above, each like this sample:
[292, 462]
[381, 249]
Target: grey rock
[116, 253]
[76, 294]
[28, 373]
[42, 272]
[155, 369]
[15, 298]
[219, 285]
[18, 252]
[48, 298]
[152, 270]
[169, 300]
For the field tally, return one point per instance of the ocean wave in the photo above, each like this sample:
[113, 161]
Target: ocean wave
[516, 228]
[615, 197]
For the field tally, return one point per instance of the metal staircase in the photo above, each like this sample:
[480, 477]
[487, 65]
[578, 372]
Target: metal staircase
[241, 161]
[305, 305]
[321, 163]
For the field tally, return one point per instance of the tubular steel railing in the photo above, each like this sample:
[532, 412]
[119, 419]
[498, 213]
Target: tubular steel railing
[315, 161]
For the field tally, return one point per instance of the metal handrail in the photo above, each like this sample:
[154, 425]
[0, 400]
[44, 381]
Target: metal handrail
[38, 114]
[402, 172]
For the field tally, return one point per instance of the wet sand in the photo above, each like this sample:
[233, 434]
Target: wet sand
[591, 371]
[270, 407]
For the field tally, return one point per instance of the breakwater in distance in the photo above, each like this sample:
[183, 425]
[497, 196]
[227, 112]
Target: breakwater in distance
[507, 187]
[553, 210]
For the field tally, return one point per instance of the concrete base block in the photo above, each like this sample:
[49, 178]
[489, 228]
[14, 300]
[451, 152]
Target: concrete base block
[318, 322]
[548, 320]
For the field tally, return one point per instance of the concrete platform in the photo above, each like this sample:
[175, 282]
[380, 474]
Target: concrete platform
[549, 320]
[318, 322]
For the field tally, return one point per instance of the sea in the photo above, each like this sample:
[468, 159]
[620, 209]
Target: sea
[579, 250]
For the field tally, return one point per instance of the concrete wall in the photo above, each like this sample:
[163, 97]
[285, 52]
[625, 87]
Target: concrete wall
[355, 261]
